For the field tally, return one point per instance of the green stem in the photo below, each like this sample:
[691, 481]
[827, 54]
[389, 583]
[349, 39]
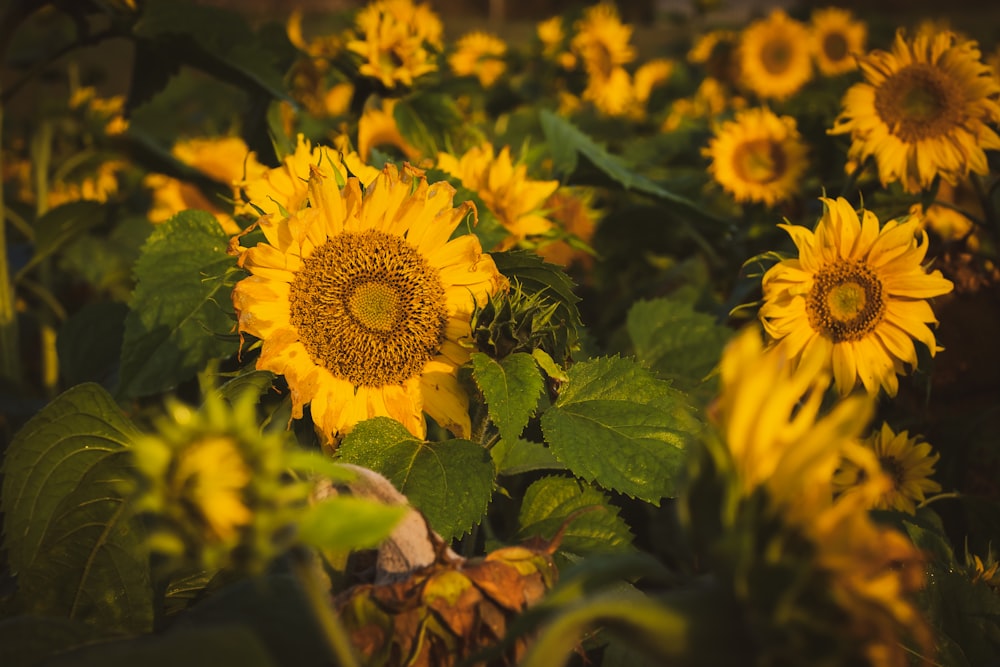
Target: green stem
[10, 360]
[336, 636]
[940, 496]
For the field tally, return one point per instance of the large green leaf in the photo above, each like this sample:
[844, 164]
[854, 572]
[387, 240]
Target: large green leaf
[62, 224]
[451, 482]
[550, 501]
[181, 313]
[89, 343]
[71, 545]
[675, 341]
[567, 142]
[616, 424]
[511, 387]
[512, 457]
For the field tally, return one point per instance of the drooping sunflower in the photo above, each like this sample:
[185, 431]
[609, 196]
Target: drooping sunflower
[857, 292]
[504, 187]
[774, 56]
[479, 54]
[924, 109]
[377, 127]
[758, 156]
[361, 299]
[395, 38]
[837, 39]
[906, 461]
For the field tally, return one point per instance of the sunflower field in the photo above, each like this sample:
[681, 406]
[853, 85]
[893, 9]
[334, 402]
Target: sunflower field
[379, 336]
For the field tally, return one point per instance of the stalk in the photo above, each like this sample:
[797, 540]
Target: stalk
[10, 360]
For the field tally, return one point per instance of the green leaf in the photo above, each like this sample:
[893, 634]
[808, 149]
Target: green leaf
[181, 313]
[213, 39]
[89, 343]
[548, 503]
[346, 523]
[616, 424]
[61, 225]
[70, 544]
[567, 142]
[675, 341]
[424, 119]
[513, 457]
[451, 482]
[511, 388]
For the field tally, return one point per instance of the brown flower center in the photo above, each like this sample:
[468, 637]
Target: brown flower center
[845, 302]
[369, 308]
[759, 161]
[776, 56]
[834, 46]
[920, 101]
[892, 467]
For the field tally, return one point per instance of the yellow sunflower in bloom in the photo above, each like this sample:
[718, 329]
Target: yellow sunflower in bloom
[287, 187]
[768, 414]
[924, 109]
[227, 160]
[361, 300]
[504, 187]
[479, 54]
[99, 185]
[857, 293]
[602, 41]
[393, 40]
[377, 127]
[610, 94]
[774, 56]
[837, 40]
[907, 462]
[758, 156]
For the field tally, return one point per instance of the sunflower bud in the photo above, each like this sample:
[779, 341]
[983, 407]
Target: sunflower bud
[516, 321]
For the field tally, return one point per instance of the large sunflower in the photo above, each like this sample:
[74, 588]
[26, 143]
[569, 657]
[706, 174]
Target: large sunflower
[758, 156]
[361, 301]
[774, 56]
[857, 293]
[907, 462]
[837, 40]
[924, 110]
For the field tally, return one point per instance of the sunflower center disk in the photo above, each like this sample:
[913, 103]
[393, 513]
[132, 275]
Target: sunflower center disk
[835, 46]
[894, 469]
[759, 161]
[845, 301]
[369, 308]
[919, 102]
[776, 56]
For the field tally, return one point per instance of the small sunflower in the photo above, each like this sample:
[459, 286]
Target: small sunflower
[924, 109]
[906, 462]
[377, 127]
[857, 293]
[361, 301]
[602, 41]
[394, 40]
[774, 56]
[758, 156]
[504, 187]
[479, 54]
[837, 40]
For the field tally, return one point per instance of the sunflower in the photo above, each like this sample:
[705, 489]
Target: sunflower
[837, 39]
[945, 217]
[924, 110]
[224, 159]
[361, 301]
[611, 94]
[602, 41]
[572, 207]
[394, 39]
[504, 187]
[906, 462]
[479, 54]
[857, 293]
[773, 52]
[758, 156]
[377, 127]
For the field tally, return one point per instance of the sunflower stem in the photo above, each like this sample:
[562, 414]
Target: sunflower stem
[337, 639]
[939, 496]
[10, 360]
[853, 177]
